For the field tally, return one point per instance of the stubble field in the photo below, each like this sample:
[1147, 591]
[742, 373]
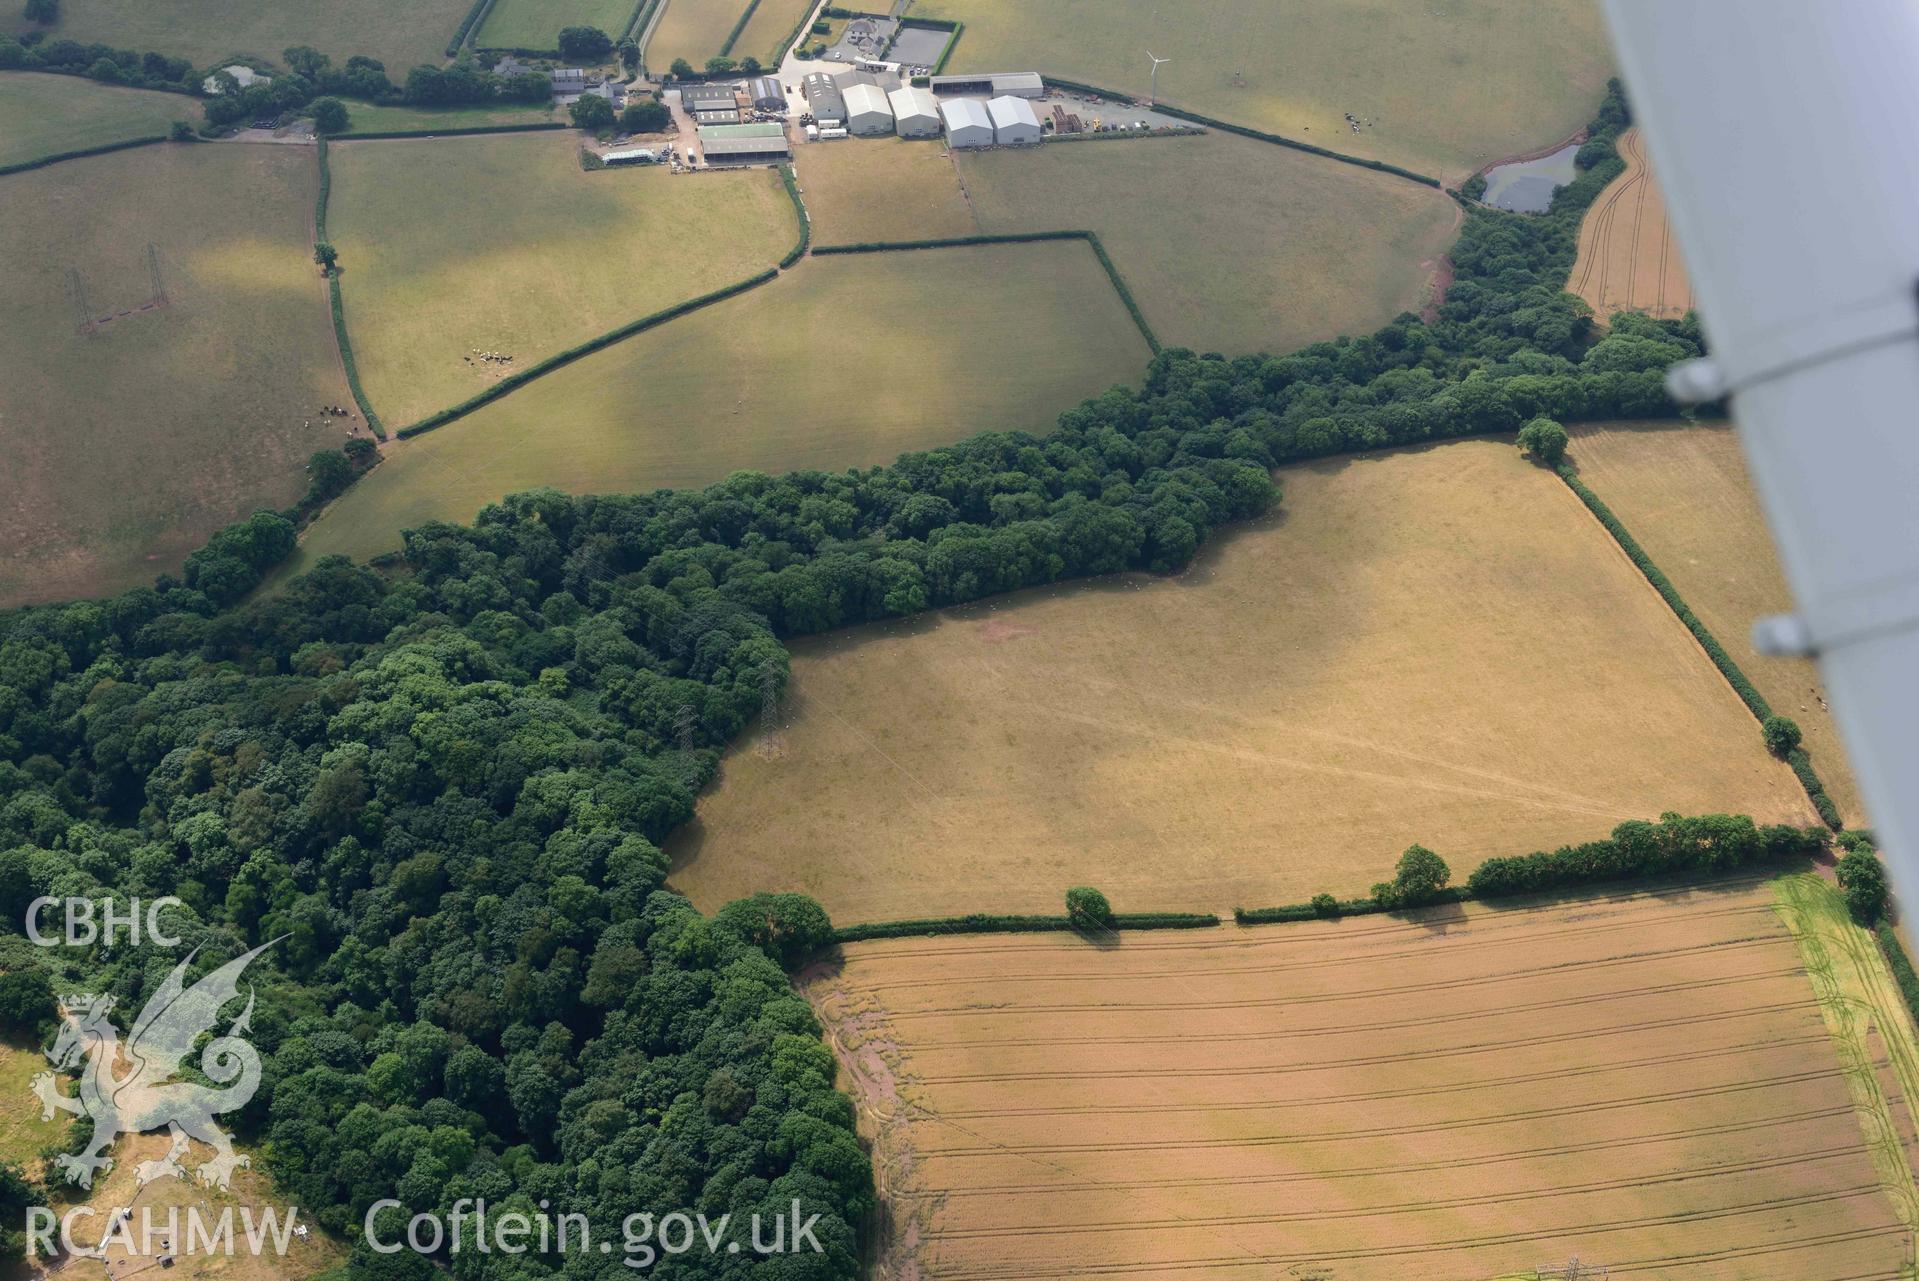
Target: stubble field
[181, 410]
[402, 35]
[457, 247]
[1436, 645]
[693, 30]
[747, 384]
[1685, 494]
[1628, 259]
[1228, 244]
[43, 114]
[1442, 89]
[1646, 1081]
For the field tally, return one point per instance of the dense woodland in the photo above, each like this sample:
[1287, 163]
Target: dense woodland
[446, 780]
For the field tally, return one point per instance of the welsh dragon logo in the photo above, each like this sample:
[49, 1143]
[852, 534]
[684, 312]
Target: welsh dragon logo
[126, 1088]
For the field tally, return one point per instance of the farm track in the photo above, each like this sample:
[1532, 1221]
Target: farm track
[1721, 1124]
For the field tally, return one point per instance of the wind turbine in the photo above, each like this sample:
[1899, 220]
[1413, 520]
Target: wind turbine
[1153, 97]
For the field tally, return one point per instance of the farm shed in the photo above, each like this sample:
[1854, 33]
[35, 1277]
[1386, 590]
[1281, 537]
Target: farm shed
[997, 84]
[630, 156]
[765, 130]
[766, 93]
[744, 151]
[967, 124]
[569, 80]
[1014, 123]
[867, 111]
[728, 116]
[915, 113]
[823, 99]
[696, 98]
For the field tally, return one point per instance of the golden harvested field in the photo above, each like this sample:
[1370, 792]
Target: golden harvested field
[693, 30]
[456, 247]
[767, 30]
[1439, 89]
[747, 384]
[536, 24]
[1228, 244]
[1648, 1082]
[868, 189]
[124, 447]
[43, 114]
[1437, 645]
[400, 33]
[1684, 493]
[1628, 259]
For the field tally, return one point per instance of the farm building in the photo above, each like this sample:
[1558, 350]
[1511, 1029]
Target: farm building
[997, 84]
[728, 116]
[570, 81]
[867, 111]
[766, 93]
[967, 124]
[1014, 123]
[630, 156]
[698, 98]
[824, 100]
[744, 151]
[915, 113]
[243, 77]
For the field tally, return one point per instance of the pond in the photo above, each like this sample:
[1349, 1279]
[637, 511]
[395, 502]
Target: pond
[1527, 186]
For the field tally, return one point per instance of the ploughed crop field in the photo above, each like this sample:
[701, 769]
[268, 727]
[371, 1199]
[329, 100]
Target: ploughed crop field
[1684, 493]
[400, 34]
[1628, 259]
[43, 114]
[744, 384]
[1439, 89]
[166, 358]
[1229, 244]
[873, 189]
[1437, 646]
[536, 24]
[468, 259]
[1671, 1084]
[693, 30]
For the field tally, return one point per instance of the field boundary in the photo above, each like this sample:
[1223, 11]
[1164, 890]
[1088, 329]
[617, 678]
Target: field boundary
[459, 131]
[336, 303]
[470, 27]
[105, 148]
[790, 181]
[733, 36]
[989, 923]
[513, 382]
[1014, 238]
[1247, 131]
[1749, 694]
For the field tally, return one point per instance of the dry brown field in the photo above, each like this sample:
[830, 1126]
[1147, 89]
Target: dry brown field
[1436, 645]
[1684, 493]
[1647, 1081]
[1628, 259]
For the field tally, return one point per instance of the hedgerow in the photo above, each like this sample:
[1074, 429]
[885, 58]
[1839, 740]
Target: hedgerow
[336, 304]
[1900, 964]
[996, 923]
[792, 186]
[1638, 849]
[587, 348]
[41, 162]
[1748, 692]
[468, 25]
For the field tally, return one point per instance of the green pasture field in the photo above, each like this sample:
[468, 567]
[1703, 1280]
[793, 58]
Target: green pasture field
[366, 118]
[1440, 88]
[766, 31]
[841, 362]
[400, 33]
[43, 114]
[863, 190]
[691, 29]
[502, 244]
[134, 424]
[536, 24]
[1229, 244]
